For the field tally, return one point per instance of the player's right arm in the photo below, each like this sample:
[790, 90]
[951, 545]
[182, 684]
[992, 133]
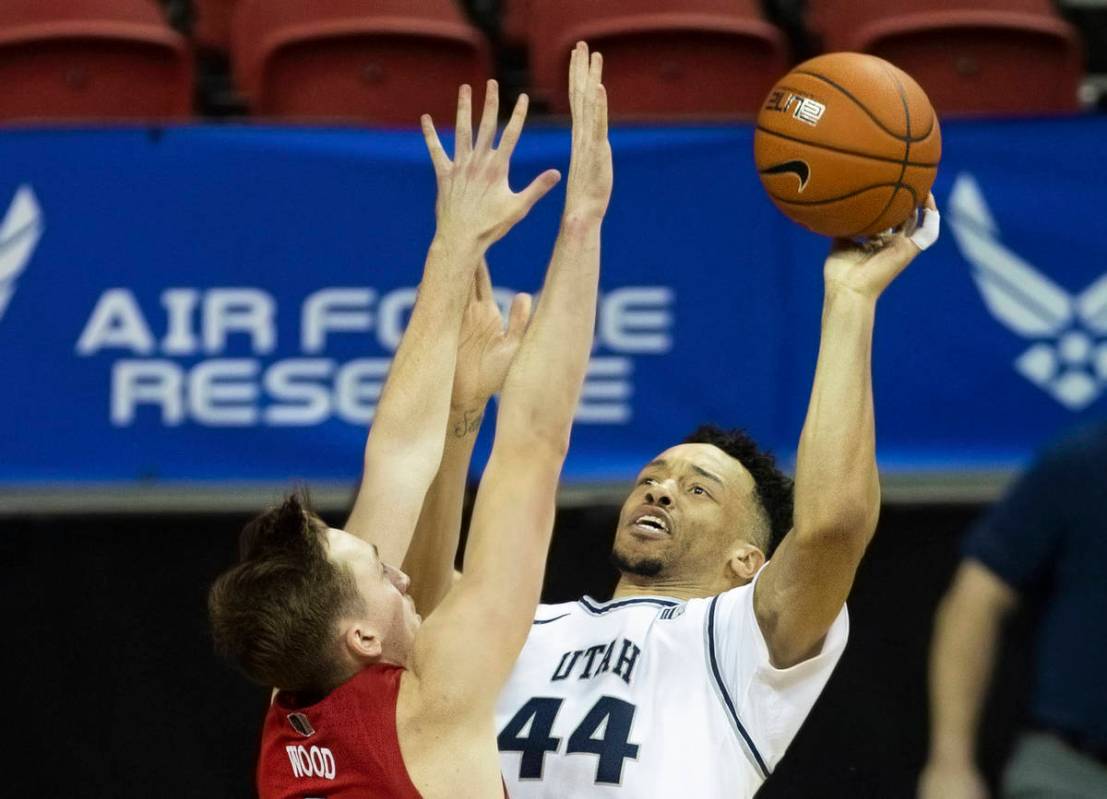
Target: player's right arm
[467, 648]
[484, 353]
[966, 631]
[474, 208]
[803, 589]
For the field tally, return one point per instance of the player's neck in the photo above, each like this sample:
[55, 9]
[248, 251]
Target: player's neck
[631, 585]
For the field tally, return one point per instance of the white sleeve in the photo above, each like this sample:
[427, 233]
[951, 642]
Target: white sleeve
[767, 705]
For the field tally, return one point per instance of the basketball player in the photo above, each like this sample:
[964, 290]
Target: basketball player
[371, 702]
[695, 677]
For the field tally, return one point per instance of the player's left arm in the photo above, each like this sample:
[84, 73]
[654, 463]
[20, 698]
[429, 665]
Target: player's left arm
[467, 648]
[475, 207]
[484, 352]
[837, 489]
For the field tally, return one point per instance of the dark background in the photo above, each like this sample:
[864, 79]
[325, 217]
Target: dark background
[114, 691]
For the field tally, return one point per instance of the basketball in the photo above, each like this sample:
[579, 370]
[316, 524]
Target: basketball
[847, 145]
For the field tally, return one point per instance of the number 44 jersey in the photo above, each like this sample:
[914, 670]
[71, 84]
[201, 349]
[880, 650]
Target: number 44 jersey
[653, 697]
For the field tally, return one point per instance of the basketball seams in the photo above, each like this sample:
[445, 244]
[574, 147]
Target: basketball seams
[842, 150]
[906, 150]
[861, 105]
[933, 114]
[929, 130]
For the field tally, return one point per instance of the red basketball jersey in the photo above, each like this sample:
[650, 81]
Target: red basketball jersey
[342, 747]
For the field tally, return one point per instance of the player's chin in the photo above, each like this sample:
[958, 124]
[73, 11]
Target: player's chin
[632, 558]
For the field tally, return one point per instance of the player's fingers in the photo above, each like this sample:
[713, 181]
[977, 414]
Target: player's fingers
[578, 77]
[487, 131]
[463, 127]
[572, 76]
[900, 253]
[538, 189]
[843, 245]
[595, 79]
[929, 226]
[518, 316]
[438, 155]
[909, 224]
[595, 70]
[510, 136]
[931, 203]
[600, 124]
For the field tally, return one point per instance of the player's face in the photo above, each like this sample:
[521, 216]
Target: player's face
[389, 609]
[688, 506]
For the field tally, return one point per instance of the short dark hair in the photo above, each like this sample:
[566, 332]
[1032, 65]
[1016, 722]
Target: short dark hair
[275, 613]
[774, 487]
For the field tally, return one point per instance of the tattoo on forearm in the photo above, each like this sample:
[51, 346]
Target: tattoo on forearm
[468, 424]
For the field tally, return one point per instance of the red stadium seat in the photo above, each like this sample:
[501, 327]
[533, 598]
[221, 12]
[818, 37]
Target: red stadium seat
[366, 61]
[212, 25]
[91, 59]
[514, 22]
[663, 58]
[971, 56]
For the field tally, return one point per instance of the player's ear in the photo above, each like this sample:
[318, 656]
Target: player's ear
[745, 561]
[362, 642]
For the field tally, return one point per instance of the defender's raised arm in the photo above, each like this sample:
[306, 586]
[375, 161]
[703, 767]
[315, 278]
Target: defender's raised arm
[484, 354]
[471, 642]
[485, 346]
[475, 208]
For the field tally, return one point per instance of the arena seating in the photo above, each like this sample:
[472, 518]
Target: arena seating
[387, 61]
[515, 22]
[971, 56]
[666, 58]
[91, 59]
[367, 61]
[212, 23]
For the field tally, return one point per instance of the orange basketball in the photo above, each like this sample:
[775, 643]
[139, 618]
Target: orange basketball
[847, 145]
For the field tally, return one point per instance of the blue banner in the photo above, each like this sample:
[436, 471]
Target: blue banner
[208, 304]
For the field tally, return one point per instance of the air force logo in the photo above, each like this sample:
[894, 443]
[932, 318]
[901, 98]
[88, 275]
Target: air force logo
[19, 235]
[1068, 358]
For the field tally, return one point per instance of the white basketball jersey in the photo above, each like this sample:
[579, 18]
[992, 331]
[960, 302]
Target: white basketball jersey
[653, 697]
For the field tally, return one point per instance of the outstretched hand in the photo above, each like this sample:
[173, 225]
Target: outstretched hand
[867, 269]
[590, 174]
[474, 198]
[486, 349]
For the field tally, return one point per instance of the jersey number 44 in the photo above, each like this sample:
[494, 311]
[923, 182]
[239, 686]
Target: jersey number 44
[604, 731]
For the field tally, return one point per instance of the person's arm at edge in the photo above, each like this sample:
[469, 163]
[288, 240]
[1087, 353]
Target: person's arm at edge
[967, 629]
[837, 488]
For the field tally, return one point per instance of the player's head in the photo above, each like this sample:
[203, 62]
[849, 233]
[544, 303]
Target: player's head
[708, 511]
[307, 606]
